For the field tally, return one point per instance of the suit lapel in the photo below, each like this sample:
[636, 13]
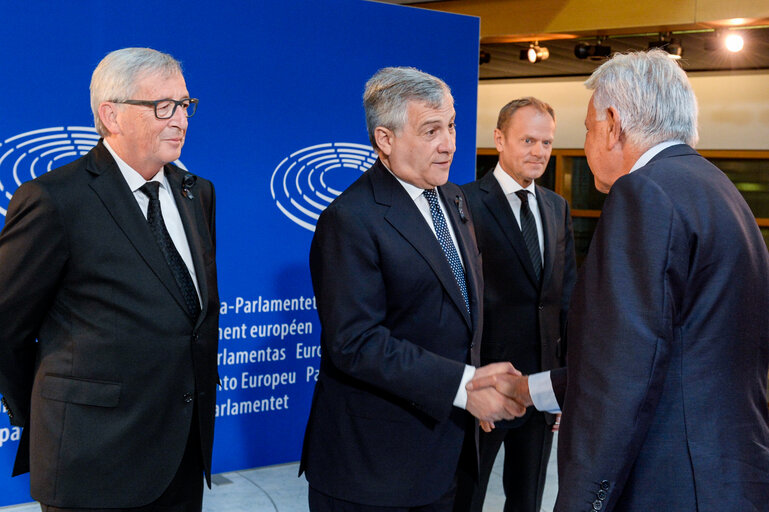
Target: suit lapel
[547, 214]
[495, 200]
[468, 250]
[405, 217]
[112, 189]
[194, 224]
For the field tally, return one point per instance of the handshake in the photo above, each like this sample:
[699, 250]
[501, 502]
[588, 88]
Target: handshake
[497, 392]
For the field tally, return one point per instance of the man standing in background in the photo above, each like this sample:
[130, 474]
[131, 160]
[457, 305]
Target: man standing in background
[525, 237]
[109, 263]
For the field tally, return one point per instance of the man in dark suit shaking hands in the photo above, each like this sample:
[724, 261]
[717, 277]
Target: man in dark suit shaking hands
[108, 262]
[525, 237]
[665, 405]
[397, 277]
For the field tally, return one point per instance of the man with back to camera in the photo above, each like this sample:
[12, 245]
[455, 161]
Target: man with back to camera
[109, 262]
[665, 405]
[525, 237]
[397, 278]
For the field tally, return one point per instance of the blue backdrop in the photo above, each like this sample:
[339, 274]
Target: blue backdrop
[280, 130]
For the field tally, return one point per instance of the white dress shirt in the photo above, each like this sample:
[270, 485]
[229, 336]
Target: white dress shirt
[417, 195]
[171, 217]
[540, 385]
[510, 187]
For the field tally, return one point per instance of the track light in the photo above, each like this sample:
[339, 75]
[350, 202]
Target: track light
[596, 51]
[734, 42]
[669, 44]
[535, 53]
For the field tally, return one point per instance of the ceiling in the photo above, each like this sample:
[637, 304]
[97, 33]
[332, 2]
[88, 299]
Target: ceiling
[505, 59]
[504, 47]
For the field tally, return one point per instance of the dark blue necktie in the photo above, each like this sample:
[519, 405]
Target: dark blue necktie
[167, 247]
[529, 230]
[444, 237]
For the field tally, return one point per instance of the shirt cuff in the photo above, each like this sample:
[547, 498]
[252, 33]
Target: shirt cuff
[542, 394]
[460, 400]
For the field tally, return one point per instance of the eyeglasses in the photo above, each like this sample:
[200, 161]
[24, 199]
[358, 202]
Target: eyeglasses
[166, 108]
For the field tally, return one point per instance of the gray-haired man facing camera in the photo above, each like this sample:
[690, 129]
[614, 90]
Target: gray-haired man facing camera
[396, 274]
[108, 263]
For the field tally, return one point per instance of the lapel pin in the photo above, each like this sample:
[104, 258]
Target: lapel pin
[187, 183]
[460, 203]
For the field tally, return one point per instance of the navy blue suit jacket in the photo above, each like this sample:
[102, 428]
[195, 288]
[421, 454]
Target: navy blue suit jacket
[395, 338]
[668, 331]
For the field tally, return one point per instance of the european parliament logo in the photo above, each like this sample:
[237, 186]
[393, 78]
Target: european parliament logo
[28, 155]
[306, 181]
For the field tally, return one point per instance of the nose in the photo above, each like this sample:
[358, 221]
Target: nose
[448, 143]
[537, 149]
[179, 119]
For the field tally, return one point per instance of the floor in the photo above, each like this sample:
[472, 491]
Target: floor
[277, 489]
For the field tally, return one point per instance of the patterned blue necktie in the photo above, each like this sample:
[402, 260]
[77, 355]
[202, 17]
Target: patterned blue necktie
[444, 237]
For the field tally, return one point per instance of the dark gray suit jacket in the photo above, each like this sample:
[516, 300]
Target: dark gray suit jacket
[395, 338]
[668, 331]
[106, 394]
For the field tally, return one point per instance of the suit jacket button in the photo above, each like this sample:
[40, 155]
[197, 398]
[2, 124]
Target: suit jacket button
[605, 485]
[597, 505]
[541, 307]
[187, 398]
[601, 494]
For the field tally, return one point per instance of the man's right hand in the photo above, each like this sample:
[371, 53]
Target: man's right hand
[515, 387]
[485, 402]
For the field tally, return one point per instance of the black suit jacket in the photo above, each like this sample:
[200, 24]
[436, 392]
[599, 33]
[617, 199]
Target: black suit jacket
[523, 321]
[666, 405]
[395, 338]
[106, 394]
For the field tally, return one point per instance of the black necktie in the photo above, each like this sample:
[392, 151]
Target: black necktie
[167, 247]
[444, 237]
[529, 230]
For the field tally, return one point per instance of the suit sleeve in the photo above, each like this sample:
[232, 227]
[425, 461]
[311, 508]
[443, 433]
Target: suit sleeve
[33, 252]
[620, 333]
[353, 304]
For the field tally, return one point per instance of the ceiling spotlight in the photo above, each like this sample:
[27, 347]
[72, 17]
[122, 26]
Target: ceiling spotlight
[596, 51]
[734, 42]
[535, 53]
[669, 44]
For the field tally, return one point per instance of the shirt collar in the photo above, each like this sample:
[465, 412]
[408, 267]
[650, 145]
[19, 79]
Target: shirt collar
[134, 179]
[412, 190]
[509, 185]
[652, 152]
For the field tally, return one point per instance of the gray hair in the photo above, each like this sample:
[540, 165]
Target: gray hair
[116, 76]
[652, 95]
[390, 90]
[512, 107]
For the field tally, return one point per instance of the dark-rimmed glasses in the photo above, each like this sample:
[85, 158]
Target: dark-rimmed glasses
[166, 108]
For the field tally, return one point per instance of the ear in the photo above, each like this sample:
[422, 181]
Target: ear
[614, 127]
[108, 115]
[499, 139]
[384, 139]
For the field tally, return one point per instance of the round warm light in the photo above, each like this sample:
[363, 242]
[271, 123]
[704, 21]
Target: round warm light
[532, 55]
[734, 42]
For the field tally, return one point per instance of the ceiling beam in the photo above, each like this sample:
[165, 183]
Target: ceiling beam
[502, 19]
